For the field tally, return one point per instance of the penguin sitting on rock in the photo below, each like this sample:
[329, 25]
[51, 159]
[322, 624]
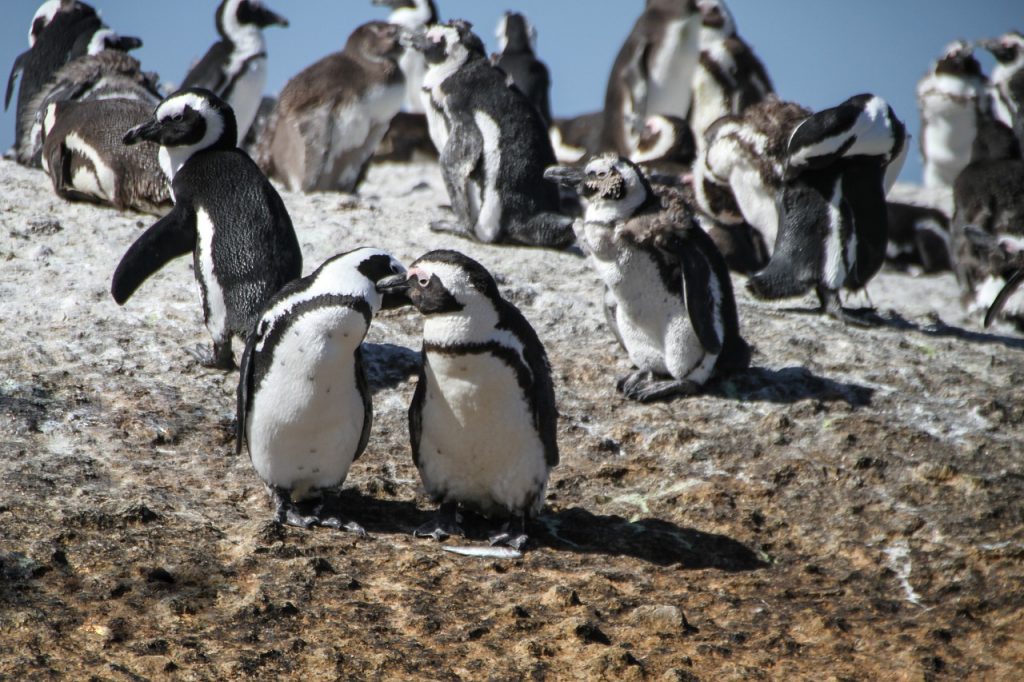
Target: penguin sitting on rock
[483, 421]
[832, 211]
[304, 407]
[671, 305]
[494, 146]
[226, 213]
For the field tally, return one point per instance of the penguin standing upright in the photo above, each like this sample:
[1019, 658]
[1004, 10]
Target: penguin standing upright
[832, 211]
[225, 212]
[951, 98]
[332, 114]
[671, 305]
[304, 407]
[517, 39]
[652, 72]
[483, 421]
[413, 16]
[494, 146]
[1007, 80]
[235, 67]
[729, 77]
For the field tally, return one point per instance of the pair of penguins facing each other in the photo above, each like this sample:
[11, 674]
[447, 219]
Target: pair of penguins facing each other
[303, 402]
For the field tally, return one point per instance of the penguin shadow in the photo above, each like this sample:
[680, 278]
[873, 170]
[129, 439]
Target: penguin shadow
[388, 365]
[788, 385]
[938, 328]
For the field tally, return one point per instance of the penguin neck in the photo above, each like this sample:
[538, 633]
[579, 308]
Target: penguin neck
[1003, 71]
[439, 73]
[246, 41]
[475, 323]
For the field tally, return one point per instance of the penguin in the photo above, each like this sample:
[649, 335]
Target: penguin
[951, 98]
[517, 39]
[413, 16]
[235, 67]
[741, 245]
[918, 237]
[576, 138]
[59, 34]
[1006, 84]
[332, 115]
[671, 301]
[832, 211]
[407, 139]
[494, 147]
[86, 160]
[665, 149]
[483, 420]
[652, 71]
[225, 212]
[739, 171]
[304, 407]
[729, 77]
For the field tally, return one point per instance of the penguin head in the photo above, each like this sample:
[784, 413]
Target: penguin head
[105, 39]
[665, 138]
[411, 14]
[359, 271]
[959, 60]
[1007, 48]
[189, 121]
[42, 18]
[376, 40]
[515, 33]
[444, 281]
[613, 187]
[237, 16]
[716, 20]
[452, 44]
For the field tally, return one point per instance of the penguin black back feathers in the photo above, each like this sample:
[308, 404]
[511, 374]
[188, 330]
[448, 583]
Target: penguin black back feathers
[517, 58]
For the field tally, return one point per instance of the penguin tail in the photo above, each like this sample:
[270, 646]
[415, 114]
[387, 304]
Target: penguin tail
[776, 281]
[551, 230]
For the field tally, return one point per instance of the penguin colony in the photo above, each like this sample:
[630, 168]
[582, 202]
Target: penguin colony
[695, 166]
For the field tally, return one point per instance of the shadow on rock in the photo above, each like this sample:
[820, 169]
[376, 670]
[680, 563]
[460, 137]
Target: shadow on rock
[388, 365]
[936, 327]
[789, 385]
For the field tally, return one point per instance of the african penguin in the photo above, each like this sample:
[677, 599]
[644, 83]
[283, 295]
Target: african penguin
[1007, 80]
[951, 98]
[672, 307]
[665, 148]
[729, 77]
[304, 407]
[332, 114]
[494, 147]
[225, 212]
[517, 39]
[739, 172]
[83, 153]
[407, 139]
[576, 138]
[652, 71]
[918, 238]
[833, 223]
[413, 16]
[235, 67]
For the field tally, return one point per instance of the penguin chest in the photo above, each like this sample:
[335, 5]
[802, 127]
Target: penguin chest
[306, 417]
[478, 443]
[246, 91]
[672, 64]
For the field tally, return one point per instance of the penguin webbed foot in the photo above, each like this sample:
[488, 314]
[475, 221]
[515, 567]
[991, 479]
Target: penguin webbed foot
[645, 387]
[447, 227]
[219, 358]
[833, 307]
[443, 525]
[287, 512]
[338, 523]
[512, 534]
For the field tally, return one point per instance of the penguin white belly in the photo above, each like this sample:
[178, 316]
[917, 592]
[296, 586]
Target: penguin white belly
[214, 307]
[95, 177]
[838, 256]
[478, 443]
[671, 69]
[756, 204]
[488, 223]
[948, 134]
[413, 66]
[437, 124]
[710, 103]
[247, 93]
[306, 418]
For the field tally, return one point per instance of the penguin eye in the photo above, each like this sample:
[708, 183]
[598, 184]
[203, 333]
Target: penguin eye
[176, 117]
[424, 281]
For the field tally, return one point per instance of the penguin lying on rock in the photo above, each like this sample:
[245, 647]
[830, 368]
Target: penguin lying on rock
[671, 302]
[483, 421]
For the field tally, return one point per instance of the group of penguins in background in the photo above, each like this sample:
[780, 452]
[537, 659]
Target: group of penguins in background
[694, 167]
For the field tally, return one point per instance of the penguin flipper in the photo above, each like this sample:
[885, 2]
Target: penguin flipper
[1003, 296]
[207, 73]
[461, 158]
[364, 390]
[172, 236]
[416, 410]
[16, 69]
[700, 304]
[245, 373]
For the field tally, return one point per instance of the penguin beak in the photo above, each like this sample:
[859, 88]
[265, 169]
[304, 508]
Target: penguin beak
[126, 43]
[149, 131]
[394, 291]
[263, 17]
[566, 176]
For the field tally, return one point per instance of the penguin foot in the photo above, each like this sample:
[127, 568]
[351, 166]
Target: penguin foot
[442, 526]
[833, 307]
[645, 387]
[447, 227]
[287, 512]
[219, 358]
[338, 523]
[512, 534]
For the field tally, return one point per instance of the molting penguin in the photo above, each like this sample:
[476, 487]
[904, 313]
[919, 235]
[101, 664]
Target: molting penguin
[494, 146]
[1007, 80]
[729, 77]
[832, 211]
[332, 115]
[652, 71]
[517, 38]
[951, 98]
[483, 422]
[413, 16]
[304, 406]
[235, 67]
[671, 305]
[225, 212]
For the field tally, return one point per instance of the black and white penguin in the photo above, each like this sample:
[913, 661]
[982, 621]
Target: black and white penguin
[918, 238]
[413, 16]
[671, 306]
[1007, 80]
[517, 39]
[652, 71]
[304, 407]
[576, 138]
[235, 67]
[332, 114]
[665, 149]
[83, 153]
[483, 421]
[729, 77]
[832, 211]
[494, 147]
[225, 212]
[951, 98]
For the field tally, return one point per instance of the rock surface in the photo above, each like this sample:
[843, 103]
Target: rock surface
[850, 508]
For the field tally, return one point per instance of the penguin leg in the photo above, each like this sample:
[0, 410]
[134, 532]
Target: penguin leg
[336, 521]
[286, 511]
[833, 307]
[552, 230]
[646, 387]
[512, 533]
[219, 358]
[443, 525]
